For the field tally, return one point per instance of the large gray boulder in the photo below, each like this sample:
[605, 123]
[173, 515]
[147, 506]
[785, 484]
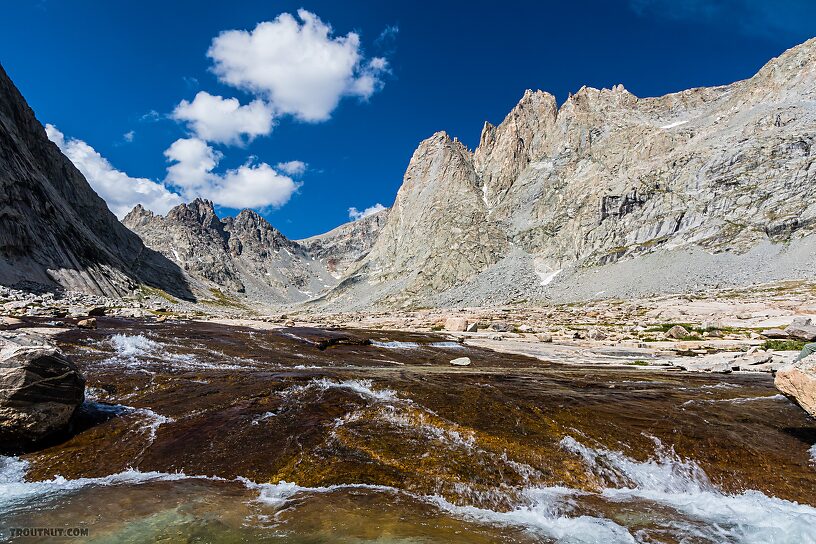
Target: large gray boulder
[801, 331]
[40, 390]
[798, 382]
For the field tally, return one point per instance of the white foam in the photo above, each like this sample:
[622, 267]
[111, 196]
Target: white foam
[364, 388]
[14, 490]
[395, 345]
[736, 400]
[543, 515]
[415, 345]
[137, 351]
[812, 452]
[750, 517]
[277, 494]
[133, 346]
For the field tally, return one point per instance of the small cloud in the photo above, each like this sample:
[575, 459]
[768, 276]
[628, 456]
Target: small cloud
[128, 136]
[387, 36]
[293, 168]
[151, 117]
[355, 214]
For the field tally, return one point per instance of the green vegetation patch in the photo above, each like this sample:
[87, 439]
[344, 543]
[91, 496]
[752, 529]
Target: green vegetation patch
[784, 345]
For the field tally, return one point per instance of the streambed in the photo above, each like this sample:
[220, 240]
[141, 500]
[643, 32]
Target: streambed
[209, 433]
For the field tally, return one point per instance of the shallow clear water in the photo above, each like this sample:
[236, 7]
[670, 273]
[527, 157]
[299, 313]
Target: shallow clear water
[204, 433]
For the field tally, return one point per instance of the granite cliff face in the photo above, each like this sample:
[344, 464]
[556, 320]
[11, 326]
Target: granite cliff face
[603, 178]
[248, 257]
[55, 232]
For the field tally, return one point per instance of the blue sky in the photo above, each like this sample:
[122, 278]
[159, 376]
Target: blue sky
[109, 76]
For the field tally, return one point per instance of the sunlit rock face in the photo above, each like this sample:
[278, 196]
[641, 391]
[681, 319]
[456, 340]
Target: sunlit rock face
[603, 178]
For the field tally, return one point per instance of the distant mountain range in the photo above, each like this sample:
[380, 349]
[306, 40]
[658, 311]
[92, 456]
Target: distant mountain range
[606, 192]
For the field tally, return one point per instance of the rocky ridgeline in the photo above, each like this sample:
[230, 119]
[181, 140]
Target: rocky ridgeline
[246, 256]
[720, 178]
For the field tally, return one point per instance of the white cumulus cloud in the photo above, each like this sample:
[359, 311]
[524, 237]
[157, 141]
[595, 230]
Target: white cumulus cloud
[298, 66]
[224, 120]
[120, 191]
[355, 214]
[293, 168]
[248, 186]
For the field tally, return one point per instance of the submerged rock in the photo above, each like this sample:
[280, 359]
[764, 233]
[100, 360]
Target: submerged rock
[40, 389]
[798, 382]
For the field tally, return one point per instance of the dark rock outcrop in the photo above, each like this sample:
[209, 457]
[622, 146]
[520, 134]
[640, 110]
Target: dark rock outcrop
[55, 231]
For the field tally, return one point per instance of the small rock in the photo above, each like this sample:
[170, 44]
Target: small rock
[525, 328]
[544, 337]
[6, 322]
[501, 326]
[289, 323]
[89, 323]
[473, 327]
[595, 334]
[460, 361]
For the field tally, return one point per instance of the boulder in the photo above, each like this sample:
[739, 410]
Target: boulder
[473, 327]
[456, 324]
[96, 311]
[677, 332]
[595, 334]
[804, 332]
[89, 323]
[775, 334]
[797, 381]
[544, 337]
[461, 361]
[40, 390]
[501, 326]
